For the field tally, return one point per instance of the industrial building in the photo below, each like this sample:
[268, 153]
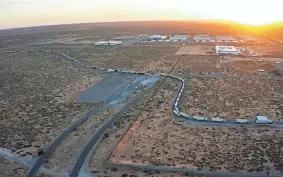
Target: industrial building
[226, 38]
[263, 120]
[104, 43]
[202, 38]
[156, 37]
[249, 38]
[179, 37]
[227, 50]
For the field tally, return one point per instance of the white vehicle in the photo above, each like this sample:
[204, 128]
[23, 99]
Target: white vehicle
[216, 119]
[200, 118]
[184, 114]
[110, 70]
[242, 121]
[263, 120]
[177, 113]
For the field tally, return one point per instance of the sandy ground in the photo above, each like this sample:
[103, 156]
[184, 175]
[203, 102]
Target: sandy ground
[65, 156]
[8, 168]
[234, 98]
[72, 91]
[251, 66]
[136, 58]
[32, 114]
[114, 134]
[198, 64]
[196, 50]
[274, 50]
[156, 139]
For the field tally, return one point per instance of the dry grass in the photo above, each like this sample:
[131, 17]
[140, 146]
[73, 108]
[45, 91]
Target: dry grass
[197, 50]
[234, 98]
[34, 105]
[157, 140]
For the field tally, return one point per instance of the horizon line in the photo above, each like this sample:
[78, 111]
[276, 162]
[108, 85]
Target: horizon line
[124, 21]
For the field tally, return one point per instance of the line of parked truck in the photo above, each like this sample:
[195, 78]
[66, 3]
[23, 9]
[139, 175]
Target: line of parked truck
[258, 120]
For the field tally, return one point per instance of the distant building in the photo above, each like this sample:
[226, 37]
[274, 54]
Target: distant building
[202, 38]
[156, 37]
[225, 38]
[179, 37]
[262, 120]
[227, 50]
[104, 43]
[248, 38]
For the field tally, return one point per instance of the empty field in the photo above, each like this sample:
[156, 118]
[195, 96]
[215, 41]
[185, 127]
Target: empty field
[234, 98]
[156, 139]
[273, 50]
[137, 58]
[198, 64]
[38, 93]
[252, 67]
[197, 50]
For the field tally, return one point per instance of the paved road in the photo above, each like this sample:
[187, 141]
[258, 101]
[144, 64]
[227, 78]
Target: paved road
[98, 136]
[66, 132]
[192, 172]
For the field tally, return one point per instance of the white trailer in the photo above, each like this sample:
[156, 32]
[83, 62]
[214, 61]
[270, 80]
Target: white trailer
[242, 121]
[263, 120]
[216, 119]
[177, 113]
[184, 115]
[200, 118]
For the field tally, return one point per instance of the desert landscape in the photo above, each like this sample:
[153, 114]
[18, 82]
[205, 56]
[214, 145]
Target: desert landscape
[72, 108]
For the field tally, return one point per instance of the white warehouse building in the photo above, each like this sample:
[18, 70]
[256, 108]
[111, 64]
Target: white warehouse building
[202, 38]
[179, 37]
[227, 50]
[156, 37]
[226, 38]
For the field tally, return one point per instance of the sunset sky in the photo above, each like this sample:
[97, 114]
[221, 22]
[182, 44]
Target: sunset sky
[21, 13]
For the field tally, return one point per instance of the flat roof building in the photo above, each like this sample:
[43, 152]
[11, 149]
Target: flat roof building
[227, 50]
[156, 37]
[202, 38]
[179, 37]
[226, 38]
[248, 38]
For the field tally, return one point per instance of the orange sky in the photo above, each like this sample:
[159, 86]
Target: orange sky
[22, 13]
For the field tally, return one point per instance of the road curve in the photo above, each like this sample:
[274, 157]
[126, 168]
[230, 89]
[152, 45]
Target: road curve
[66, 132]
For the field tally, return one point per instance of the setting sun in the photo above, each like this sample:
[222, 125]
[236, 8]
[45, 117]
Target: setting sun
[31, 13]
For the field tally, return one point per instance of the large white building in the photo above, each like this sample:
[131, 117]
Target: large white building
[226, 38]
[202, 38]
[227, 50]
[156, 37]
[179, 37]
